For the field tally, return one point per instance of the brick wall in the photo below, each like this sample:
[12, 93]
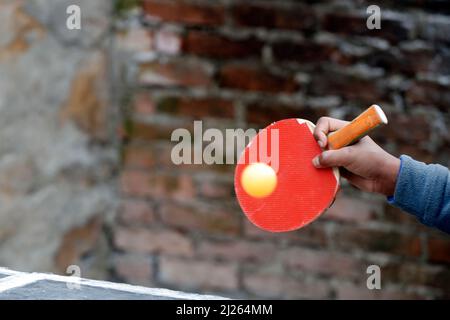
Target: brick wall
[244, 64]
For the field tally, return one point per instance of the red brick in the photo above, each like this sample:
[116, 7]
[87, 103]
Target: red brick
[417, 152]
[316, 289]
[429, 93]
[416, 274]
[184, 189]
[198, 275]
[238, 76]
[393, 30]
[158, 185]
[322, 262]
[237, 251]
[155, 131]
[144, 131]
[348, 291]
[269, 285]
[134, 268]
[348, 238]
[439, 250]
[185, 12]
[214, 189]
[270, 16]
[138, 157]
[304, 52]
[389, 60]
[349, 87]
[263, 113]
[207, 169]
[143, 104]
[312, 289]
[422, 61]
[397, 132]
[136, 183]
[266, 286]
[198, 217]
[187, 73]
[253, 232]
[136, 212]
[311, 235]
[218, 46]
[408, 62]
[142, 240]
[220, 169]
[398, 216]
[162, 152]
[197, 108]
[351, 210]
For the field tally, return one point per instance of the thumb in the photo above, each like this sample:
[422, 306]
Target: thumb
[333, 158]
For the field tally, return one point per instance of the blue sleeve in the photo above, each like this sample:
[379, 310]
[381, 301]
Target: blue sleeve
[424, 191]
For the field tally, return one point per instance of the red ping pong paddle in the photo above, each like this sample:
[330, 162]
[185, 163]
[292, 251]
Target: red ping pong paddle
[287, 194]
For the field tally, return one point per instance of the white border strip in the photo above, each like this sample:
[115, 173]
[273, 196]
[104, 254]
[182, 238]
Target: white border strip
[8, 272]
[16, 279]
[131, 288]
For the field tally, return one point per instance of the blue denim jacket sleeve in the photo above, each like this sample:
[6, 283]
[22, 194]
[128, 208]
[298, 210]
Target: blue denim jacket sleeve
[424, 191]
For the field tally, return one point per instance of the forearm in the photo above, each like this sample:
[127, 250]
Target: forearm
[424, 191]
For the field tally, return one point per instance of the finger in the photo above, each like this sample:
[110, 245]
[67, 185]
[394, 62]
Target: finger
[324, 126]
[334, 158]
[321, 139]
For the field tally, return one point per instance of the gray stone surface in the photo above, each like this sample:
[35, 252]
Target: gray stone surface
[53, 290]
[95, 19]
[53, 175]
[15, 285]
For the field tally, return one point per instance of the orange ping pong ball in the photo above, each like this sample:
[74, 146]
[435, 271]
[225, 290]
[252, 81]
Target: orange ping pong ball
[258, 180]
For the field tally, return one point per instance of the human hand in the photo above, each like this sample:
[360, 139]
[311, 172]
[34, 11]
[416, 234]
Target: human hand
[365, 164]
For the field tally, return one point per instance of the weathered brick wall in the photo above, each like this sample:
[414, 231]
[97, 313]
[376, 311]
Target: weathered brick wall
[244, 64]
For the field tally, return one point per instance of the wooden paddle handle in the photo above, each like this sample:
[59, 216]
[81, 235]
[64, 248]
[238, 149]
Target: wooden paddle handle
[358, 128]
